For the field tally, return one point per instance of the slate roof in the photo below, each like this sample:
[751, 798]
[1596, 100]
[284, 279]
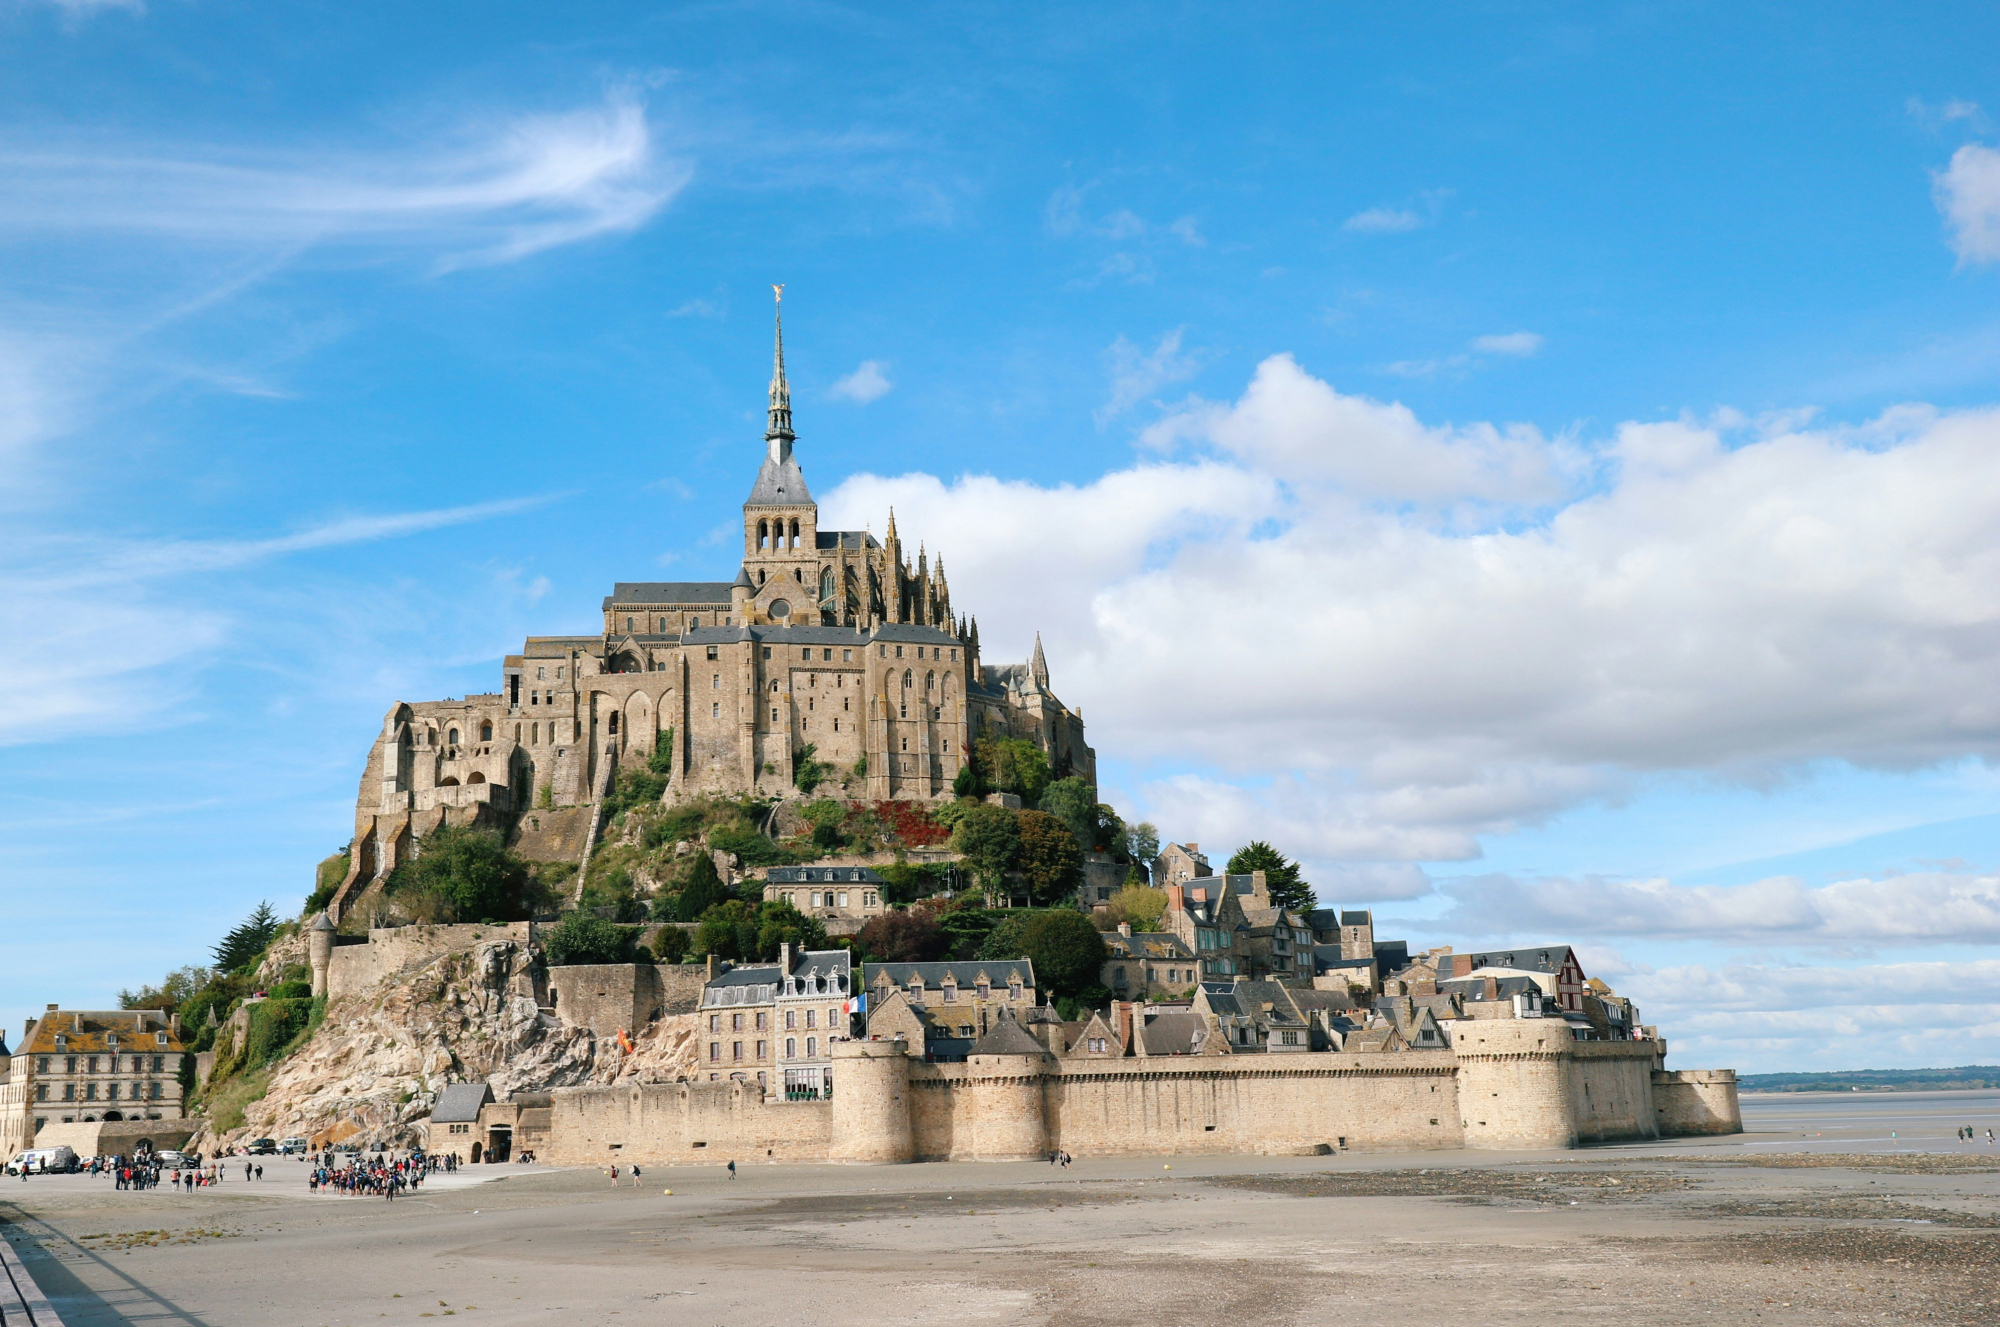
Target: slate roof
[459, 1103]
[1174, 1032]
[1006, 1037]
[824, 964]
[998, 972]
[894, 633]
[1147, 944]
[660, 593]
[1356, 919]
[779, 484]
[855, 539]
[813, 875]
[753, 983]
[1529, 958]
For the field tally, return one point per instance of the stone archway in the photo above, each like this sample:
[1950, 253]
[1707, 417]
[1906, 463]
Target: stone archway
[475, 1151]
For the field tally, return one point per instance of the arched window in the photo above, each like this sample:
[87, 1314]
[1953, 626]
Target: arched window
[451, 737]
[763, 534]
[791, 1047]
[930, 681]
[612, 725]
[908, 677]
[795, 534]
[485, 732]
[760, 575]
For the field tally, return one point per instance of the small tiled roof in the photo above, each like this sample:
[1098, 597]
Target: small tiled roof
[459, 1103]
[1173, 1032]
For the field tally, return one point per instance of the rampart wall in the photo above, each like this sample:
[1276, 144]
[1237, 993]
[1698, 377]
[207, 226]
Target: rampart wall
[1696, 1101]
[606, 997]
[680, 1123]
[355, 968]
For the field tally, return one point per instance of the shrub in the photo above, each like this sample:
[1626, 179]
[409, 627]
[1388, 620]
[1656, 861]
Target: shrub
[677, 825]
[465, 874]
[670, 944]
[1012, 765]
[326, 881]
[292, 990]
[903, 937]
[753, 848]
[967, 927]
[636, 786]
[660, 760]
[911, 824]
[276, 1026]
[1137, 904]
[752, 933]
[904, 883]
[1048, 856]
[579, 939]
[808, 773]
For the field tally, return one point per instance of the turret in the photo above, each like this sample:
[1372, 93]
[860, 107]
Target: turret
[1513, 1083]
[871, 1102]
[319, 951]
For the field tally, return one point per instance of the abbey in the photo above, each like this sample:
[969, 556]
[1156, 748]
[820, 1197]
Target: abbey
[826, 639]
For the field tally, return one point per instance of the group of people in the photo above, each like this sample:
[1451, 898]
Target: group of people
[380, 1178]
[1967, 1135]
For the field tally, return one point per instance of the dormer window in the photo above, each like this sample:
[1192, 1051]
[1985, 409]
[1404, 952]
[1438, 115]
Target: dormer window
[62, 1042]
[160, 1039]
[983, 990]
[950, 991]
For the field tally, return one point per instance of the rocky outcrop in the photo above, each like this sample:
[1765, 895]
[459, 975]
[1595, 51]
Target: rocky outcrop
[377, 1062]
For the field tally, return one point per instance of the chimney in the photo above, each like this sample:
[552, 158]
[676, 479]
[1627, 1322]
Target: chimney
[1175, 903]
[1194, 847]
[1125, 929]
[785, 959]
[714, 967]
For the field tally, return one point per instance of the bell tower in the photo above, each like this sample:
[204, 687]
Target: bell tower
[781, 520]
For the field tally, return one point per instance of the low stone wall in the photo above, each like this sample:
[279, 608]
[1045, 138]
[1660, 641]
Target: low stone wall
[1688, 1102]
[355, 968]
[116, 1137]
[685, 1123]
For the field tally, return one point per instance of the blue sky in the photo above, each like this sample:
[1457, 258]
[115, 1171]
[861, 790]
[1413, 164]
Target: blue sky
[1539, 469]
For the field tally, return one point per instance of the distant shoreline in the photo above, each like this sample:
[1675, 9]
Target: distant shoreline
[1969, 1077]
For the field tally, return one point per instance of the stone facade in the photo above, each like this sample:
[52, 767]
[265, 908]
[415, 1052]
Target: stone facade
[86, 1066]
[734, 675]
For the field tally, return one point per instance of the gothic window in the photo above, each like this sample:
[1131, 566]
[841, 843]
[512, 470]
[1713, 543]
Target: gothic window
[908, 677]
[534, 734]
[774, 686]
[760, 575]
[781, 608]
[485, 732]
[628, 624]
[451, 738]
[930, 681]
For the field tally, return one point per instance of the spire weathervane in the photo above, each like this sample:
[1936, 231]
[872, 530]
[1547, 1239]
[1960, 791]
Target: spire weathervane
[779, 434]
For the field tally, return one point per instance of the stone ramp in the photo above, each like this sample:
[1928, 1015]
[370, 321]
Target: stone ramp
[22, 1303]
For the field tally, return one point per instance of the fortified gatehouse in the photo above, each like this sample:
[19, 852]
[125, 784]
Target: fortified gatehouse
[829, 639]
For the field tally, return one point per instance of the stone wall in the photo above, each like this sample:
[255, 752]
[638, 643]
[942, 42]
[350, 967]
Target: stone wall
[1696, 1101]
[685, 1123]
[117, 1137]
[605, 997]
[1611, 1090]
[356, 968]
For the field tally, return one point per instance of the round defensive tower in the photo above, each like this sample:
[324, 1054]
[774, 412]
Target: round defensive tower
[1513, 1083]
[871, 1102]
[319, 950]
[1007, 1072]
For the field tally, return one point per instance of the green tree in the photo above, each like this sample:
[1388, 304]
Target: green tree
[749, 934]
[248, 940]
[825, 816]
[670, 944]
[326, 881]
[579, 938]
[1074, 802]
[1048, 856]
[965, 929]
[1142, 844]
[1067, 951]
[465, 874]
[174, 990]
[1281, 874]
[1019, 767]
[965, 783]
[704, 890]
[1137, 904]
[988, 838]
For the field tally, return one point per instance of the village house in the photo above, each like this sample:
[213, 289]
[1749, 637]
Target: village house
[87, 1065]
[946, 1007]
[1146, 965]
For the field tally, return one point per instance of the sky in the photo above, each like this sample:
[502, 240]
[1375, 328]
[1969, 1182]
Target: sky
[1540, 467]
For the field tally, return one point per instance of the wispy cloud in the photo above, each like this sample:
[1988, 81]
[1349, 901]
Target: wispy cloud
[1521, 344]
[867, 383]
[1136, 374]
[1951, 111]
[1382, 221]
[498, 193]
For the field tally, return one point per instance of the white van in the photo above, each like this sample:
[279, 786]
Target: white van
[43, 1160]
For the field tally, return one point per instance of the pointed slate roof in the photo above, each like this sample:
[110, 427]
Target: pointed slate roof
[1008, 1038]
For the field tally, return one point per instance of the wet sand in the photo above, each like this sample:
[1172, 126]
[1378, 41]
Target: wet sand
[1781, 1225]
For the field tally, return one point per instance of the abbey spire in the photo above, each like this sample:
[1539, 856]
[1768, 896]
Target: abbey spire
[779, 434]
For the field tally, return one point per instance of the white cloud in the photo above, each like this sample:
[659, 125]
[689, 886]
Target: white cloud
[867, 383]
[694, 308]
[1189, 232]
[500, 192]
[1968, 193]
[1379, 638]
[1919, 908]
[1382, 221]
[1136, 375]
[1508, 343]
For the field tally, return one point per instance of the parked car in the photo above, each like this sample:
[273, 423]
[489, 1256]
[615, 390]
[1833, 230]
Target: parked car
[171, 1160]
[293, 1147]
[44, 1161]
[262, 1147]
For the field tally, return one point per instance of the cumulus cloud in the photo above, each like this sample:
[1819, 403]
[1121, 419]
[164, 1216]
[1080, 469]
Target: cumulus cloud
[1918, 908]
[496, 193]
[1381, 638]
[1968, 193]
[867, 383]
[1382, 221]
